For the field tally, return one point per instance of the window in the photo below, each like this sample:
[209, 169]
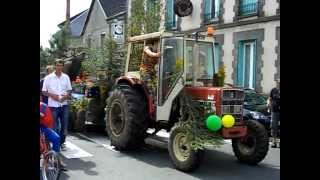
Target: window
[248, 7]
[246, 64]
[211, 10]
[135, 56]
[171, 18]
[217, 59]
[205, 66]
[102, 38]
[172, 65]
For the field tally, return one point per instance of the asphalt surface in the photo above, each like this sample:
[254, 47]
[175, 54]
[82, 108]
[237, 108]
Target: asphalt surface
[89, 156]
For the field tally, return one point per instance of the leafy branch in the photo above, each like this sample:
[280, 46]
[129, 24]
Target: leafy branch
[192, 119]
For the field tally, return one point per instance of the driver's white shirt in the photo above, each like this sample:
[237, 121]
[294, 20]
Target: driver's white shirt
[56, 85]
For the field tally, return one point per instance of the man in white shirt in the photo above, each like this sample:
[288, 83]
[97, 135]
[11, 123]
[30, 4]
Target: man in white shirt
[57, 87]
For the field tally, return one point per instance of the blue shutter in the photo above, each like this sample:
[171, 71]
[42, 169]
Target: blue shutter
[216, 57]
[240, 64]
[217, 8]
[254, 63]
[169, 18]
[207, 10]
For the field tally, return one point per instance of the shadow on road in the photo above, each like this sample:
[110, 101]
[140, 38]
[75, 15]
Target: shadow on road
[78, 164]
[215, 164]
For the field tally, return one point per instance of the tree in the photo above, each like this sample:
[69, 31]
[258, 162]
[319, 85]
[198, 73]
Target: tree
[112, 63]
[104, 58]
[45, 57]
[59, 43]
[144, 20]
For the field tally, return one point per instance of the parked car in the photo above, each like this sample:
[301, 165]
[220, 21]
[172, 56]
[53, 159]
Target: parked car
[255, 108]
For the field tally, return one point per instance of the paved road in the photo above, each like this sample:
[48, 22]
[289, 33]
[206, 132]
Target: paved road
[89, 156]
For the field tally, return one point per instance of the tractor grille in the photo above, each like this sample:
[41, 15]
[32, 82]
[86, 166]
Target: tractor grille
[229, 94]
[231, 109]
[232, 101]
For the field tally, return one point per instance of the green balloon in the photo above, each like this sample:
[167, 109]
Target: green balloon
[213, 123]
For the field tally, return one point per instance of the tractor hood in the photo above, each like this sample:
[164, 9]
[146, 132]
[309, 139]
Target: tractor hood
[204, 93]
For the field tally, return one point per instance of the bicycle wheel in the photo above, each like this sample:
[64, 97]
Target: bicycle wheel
[50, 166]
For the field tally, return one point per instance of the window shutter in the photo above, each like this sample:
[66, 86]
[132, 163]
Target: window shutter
[240, 65]
[254, 63]
[217, 8]
[216, 57]
[213, 9]
[169, 8]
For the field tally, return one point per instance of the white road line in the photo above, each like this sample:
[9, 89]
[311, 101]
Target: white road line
[73, 151]
[111, 148]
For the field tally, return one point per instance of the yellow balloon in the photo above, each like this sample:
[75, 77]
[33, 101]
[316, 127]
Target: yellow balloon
[228, 121]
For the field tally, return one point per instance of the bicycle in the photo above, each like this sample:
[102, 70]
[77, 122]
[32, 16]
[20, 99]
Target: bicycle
[49, 162]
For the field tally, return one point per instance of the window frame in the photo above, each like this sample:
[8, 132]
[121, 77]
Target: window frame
[174, 17]
[240, 14]
[240, 81]
[217, 12]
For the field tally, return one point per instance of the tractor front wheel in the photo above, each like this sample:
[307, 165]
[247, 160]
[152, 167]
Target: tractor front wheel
[182, 156]
[253, 148]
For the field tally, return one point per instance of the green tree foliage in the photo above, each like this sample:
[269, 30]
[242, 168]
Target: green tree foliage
[144, 17]
[59, 43]
[94, 62]
[103, 58]
[114, 66]
[45, 57]
[193, 120]
[137, 17]
[152, 16]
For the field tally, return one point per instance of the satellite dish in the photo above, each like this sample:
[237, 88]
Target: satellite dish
[183, 8]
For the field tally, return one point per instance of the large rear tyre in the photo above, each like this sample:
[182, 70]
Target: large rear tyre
[182, 156]
[126, 118]
[254, 147]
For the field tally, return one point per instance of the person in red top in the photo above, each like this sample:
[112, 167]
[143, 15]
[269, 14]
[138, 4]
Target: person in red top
[46, 125]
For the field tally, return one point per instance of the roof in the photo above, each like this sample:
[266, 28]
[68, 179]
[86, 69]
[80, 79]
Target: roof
[77, 23]
[110, 8]
[113, 7]
[72, 18]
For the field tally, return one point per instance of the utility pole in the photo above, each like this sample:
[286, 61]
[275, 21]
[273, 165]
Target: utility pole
[67, 24]
[67, 28]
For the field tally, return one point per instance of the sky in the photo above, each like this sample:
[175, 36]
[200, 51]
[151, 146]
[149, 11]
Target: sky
[53, 12]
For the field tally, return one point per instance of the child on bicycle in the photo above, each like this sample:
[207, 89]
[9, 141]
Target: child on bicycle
[46, 125]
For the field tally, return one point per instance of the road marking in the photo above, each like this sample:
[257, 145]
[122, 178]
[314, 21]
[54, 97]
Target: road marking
[73, 151]
[161, 133]
[111, 148]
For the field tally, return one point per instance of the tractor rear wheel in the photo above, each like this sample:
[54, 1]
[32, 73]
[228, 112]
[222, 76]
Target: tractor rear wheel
[182, 156]
[126, 118]
[254, 147]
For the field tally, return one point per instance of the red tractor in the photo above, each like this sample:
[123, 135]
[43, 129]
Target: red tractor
[187, 67]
